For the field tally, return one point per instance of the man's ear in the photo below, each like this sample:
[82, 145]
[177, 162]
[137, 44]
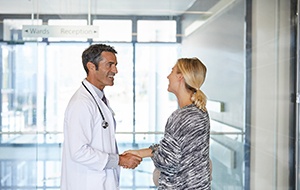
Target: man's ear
[91, 66]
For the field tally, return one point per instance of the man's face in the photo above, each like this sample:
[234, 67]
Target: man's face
[107, 68]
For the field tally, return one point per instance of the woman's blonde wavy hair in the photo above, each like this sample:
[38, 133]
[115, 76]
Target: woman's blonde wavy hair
[194, 73]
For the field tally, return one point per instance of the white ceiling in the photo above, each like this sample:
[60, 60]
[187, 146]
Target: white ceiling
[101, 7]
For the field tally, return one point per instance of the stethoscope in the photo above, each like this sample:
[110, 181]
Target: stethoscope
[104, 123]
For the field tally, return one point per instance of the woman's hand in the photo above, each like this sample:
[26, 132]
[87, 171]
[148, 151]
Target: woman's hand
[143, 153]
[135, 152]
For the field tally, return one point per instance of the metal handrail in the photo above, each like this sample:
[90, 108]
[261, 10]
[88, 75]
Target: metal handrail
[143, 133]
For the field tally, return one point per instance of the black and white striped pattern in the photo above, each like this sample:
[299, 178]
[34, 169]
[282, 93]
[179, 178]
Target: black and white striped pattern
[183, 153]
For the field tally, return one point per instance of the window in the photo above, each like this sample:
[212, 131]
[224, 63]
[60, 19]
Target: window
[114, 30]
[13, 29]
[156, 31]
[33, 109]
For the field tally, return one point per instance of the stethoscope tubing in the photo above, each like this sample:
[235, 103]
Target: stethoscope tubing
[104, 123]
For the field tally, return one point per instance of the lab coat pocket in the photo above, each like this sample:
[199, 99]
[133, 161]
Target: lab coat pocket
[95, 180]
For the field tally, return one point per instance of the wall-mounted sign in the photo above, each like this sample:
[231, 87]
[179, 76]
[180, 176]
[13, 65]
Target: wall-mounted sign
[46, 31]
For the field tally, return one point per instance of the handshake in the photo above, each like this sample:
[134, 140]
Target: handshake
[130, 159]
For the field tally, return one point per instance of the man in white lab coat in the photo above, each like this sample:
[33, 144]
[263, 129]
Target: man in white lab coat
[90, 159]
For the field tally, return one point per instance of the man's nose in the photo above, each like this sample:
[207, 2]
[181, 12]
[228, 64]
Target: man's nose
[114, 69]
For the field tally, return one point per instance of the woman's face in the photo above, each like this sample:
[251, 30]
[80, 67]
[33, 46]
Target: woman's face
[174, 80]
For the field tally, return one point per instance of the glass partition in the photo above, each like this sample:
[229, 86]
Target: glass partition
[39, 89]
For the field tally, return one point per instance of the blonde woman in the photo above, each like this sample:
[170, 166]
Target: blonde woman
[182, 156]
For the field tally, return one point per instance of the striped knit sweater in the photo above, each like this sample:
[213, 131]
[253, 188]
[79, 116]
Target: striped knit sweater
[183, 153]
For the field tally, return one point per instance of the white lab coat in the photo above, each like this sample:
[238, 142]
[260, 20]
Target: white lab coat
[87, 144]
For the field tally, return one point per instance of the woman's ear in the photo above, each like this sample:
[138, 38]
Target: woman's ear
[179, 76]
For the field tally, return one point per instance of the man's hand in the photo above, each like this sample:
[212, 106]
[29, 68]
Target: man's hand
[129, 160]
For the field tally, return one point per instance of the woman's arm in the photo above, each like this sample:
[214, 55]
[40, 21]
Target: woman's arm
[144, 152]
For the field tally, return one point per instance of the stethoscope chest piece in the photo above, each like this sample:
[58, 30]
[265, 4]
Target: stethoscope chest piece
[104, 124]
